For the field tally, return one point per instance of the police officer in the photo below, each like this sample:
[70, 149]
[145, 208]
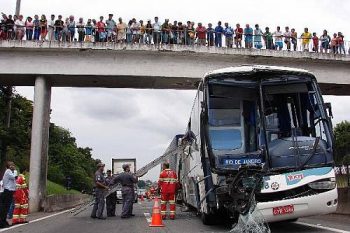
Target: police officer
[127, 180]
[100, 188]
[111, 200]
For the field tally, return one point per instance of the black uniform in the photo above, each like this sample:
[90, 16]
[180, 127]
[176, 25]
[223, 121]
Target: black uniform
[111, 200]
[127, 180]
[97, 211]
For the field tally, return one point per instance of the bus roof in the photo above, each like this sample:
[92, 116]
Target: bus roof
[258, 68]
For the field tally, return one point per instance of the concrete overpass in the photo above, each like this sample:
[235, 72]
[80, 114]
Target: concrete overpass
[140, 66]
[55, 64]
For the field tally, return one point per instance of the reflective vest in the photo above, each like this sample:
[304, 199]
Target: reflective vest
[167, 181]
[21, 182]
[21, 201]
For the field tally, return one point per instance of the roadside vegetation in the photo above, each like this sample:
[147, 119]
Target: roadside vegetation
[66, 158]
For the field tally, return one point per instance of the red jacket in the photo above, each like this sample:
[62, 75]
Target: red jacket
[168, 181]
[21, 194]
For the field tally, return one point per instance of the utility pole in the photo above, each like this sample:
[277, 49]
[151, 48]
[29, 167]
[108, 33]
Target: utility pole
[18, 7]
[7, 95]
[8, 92]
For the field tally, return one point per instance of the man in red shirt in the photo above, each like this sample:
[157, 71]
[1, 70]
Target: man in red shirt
[167, 184]
[238, 35]
[201, 34]
[315, 42]
[102, 35]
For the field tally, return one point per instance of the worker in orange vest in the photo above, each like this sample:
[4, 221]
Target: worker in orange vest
[167, 184]
[21, 201]
[152, 192]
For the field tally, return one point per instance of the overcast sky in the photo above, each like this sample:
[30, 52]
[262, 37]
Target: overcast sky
[119, 123]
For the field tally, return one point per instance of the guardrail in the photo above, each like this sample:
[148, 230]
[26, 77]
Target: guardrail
[111, 46]
[343, 176]
[180, 37]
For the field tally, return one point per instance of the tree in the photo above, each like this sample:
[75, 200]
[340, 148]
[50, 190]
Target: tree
[15, 140]
[65, 157]
[346, 160]
[141, 184]
[342, 140]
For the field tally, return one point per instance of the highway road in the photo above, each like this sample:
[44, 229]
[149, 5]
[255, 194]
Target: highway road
[186, 222]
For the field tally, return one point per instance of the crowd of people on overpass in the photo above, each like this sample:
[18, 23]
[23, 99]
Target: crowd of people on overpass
[155, 32]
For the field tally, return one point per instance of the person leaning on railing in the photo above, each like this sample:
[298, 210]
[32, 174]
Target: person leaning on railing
[156, 31]
[258, 37]
[181, 32]
[287, 37]
[58, 28]
[174, 35]
[238, 35]
[341, 46]
[148, 32]
[248, 36]
[325, 41]
[88, 31]
[81, 30]
[294, 39]
[210, 34]
[201, 34]
[219, 30]
[43, 27]
[20, 28]
[10, 28]
[268, 38]
[306, 37]
[29, 28]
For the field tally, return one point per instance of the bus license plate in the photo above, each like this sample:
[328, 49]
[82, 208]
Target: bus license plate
[280, 210]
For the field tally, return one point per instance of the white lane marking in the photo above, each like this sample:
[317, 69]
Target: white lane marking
[36, 220]
[148, 217]
[322, 227]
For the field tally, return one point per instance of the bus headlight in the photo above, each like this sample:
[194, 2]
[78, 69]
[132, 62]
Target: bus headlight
[324, 184]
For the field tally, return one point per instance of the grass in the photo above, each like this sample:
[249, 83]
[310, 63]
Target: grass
[342, 181]
[53, 188]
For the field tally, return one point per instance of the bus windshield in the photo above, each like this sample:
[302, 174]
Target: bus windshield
[285, 117]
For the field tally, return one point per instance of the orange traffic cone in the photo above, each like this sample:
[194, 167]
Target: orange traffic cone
[156, 216]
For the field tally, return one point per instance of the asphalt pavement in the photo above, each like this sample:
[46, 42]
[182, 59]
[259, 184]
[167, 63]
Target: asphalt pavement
[186, 222]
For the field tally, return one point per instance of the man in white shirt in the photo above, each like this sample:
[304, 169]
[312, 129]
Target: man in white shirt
[136, 29]
[6, 197]
[278, 38]
[156, 31]
[51, 28]
[20, 27]
[287, 36]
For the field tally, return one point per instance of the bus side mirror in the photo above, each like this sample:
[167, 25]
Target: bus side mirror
[328, 107]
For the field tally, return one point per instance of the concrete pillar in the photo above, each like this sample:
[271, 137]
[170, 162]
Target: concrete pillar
[39, 143]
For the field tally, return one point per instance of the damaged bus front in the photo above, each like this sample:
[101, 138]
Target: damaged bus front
[259, 133]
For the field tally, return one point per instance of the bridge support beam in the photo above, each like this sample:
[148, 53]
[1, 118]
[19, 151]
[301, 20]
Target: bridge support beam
[39, 143]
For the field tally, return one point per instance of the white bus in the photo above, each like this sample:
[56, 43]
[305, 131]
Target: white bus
[258, 132]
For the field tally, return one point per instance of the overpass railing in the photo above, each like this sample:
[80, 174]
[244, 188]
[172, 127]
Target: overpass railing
[343, 176]
[170, 47]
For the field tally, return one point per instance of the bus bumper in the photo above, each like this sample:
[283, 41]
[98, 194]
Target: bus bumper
[323, 203]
